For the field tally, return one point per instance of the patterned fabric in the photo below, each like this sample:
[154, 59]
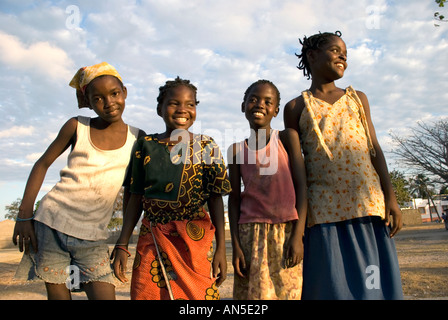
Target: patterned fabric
[86, 74]
[186, 250]
[175, 185]
[267, 279]
[342, 182]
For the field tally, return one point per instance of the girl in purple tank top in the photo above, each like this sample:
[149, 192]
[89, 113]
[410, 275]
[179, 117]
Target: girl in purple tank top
[267, 217]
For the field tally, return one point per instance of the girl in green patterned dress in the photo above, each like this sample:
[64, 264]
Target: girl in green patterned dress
[174, 175]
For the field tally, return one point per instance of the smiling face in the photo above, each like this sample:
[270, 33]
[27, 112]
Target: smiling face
[106, 96]
[260, 106]
[330, 61]
[178, 108]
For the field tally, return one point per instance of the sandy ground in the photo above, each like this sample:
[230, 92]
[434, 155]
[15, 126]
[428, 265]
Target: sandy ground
[423, 258]
[422, 253]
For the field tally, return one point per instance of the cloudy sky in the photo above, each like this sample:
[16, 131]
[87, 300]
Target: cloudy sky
[395, 54]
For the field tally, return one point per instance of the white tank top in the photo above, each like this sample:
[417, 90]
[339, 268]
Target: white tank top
[81, 203]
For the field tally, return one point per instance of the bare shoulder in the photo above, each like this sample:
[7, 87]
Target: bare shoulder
[289, 138]
[232, 153]
[295, 105]
[69, 128]
[292, 112]
[362, 96]
[141, 133]
[288, 134]
[365, 102]
[65, 138]
[72, 122]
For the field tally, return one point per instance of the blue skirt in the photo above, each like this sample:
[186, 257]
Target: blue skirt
[353, 259]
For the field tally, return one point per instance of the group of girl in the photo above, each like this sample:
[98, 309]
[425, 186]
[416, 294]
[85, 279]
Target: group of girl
[318, 191]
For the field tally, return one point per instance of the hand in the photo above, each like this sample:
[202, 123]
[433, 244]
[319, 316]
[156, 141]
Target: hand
[397, 219]
[293, 252]
[120, 258]
[25, 231]
[239, 263]
[219, 266]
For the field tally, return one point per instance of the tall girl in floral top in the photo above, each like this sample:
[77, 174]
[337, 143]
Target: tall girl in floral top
[174, 174]
[349, 253]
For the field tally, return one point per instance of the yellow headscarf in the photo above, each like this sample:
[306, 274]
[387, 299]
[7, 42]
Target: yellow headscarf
[86, 74]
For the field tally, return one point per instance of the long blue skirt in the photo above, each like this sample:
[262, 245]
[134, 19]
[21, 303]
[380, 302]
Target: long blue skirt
[354, 259]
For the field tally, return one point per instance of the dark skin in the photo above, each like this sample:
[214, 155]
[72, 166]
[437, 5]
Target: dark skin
[261, 106]
[328, 64]
[178, 111]
[106, 96]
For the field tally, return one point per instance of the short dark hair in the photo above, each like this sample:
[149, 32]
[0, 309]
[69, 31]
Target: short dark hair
[170, 84]
[312, 43]
[262, 81]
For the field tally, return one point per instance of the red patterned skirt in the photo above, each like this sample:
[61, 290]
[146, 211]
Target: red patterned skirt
[186, 251]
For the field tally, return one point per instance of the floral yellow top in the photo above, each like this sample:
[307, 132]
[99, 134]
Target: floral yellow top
[342, 182]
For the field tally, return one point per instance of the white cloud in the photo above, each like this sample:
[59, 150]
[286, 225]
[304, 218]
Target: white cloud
[33, 157]
[222, 47]
[17, 131]
[46, 59]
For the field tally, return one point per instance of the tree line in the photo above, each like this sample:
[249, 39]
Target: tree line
[425, 152]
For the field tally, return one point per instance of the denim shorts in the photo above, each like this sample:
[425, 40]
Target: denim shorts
[61, 258]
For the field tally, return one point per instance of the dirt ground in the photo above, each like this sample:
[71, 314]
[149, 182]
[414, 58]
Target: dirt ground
[422, 253]
[423, 258]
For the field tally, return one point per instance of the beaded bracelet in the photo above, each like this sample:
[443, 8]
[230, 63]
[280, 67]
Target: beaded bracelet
[122, 248]
[25, 219]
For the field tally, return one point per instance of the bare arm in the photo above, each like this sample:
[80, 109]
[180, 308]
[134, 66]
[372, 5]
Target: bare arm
[292, 112]
[239, 263]
[25, 230]
[216, 208]
[294, 249]
[127, 180]
[131, 216]
[379, 163]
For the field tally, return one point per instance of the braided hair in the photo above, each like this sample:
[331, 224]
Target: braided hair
[262, 81]
[312, 43]
[170, 84]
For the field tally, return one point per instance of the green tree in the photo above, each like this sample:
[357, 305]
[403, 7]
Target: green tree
[116, 221]
[420, 187]
[437, 15]
[444, 190]
[401, 187]
[13, 209]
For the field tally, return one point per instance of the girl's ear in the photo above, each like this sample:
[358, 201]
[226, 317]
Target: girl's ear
[311, 55]
[277, 109]
[243, 107]
[125, 92]
[86, 102]
[159, 109]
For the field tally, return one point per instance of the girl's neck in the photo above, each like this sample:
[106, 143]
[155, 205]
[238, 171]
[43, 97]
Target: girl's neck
[108, 135]
[260, 136]
[323, 87]
[327, 92]
[175, 136]
[100, 124]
